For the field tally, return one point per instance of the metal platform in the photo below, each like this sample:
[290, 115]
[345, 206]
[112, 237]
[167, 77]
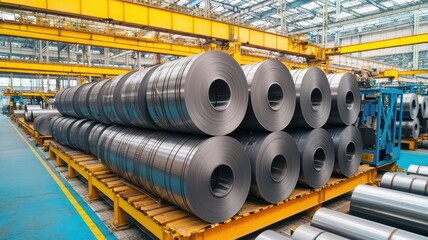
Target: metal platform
[166, 221]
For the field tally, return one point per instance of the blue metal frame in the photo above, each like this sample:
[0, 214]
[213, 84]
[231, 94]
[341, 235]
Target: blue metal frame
[381, 104]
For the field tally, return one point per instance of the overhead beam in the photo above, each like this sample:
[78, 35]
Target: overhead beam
[193, 3]
[165, 20]
[366, 18]
[388, 43]
[9, 66]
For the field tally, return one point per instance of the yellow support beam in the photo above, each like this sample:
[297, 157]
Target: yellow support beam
[413, 72]
[29, 94]
[58, 69]
[167, 20]
[393, 74]
[381, 44]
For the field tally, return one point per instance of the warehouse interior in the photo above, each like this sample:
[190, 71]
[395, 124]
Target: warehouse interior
[214, 119]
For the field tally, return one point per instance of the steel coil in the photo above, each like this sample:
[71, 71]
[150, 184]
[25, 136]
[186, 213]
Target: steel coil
[94, 136]
[205, 94]
[418, 170]
[348, 149]
[406, 183]
[28, 108]
[345, 99]
[27, 117]
[96, 110]
[32, 114]
[61, 130]
[275, 164]
[394, 208]
[410, 129]
[306, 232]
[423, 106]
[313, 98]
[83, 100]
[69, 102]
[272, 94]
[18, 113]
[271, 235]
[209, 177]
[316, 152]
[41, 124]
[410, 106]
[58, 102]
[357, 228]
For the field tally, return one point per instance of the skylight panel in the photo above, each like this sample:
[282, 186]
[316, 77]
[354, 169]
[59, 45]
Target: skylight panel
[366, 9]
[388, 4]
[350, 4]
[310, 6]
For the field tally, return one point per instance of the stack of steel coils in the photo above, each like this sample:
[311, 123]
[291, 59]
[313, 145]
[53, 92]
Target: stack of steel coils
[211, 95]
[410, 124]
[423, 115]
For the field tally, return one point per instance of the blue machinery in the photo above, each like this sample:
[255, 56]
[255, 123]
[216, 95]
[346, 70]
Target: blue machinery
[377, 124]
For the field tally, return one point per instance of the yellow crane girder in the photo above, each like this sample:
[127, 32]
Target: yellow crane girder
[168, 20]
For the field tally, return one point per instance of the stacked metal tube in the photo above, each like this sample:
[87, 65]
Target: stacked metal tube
[410, 124]
[418, 170]
[423, 114]
[407, 183]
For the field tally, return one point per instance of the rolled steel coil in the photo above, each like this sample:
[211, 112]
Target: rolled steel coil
[82, 101]
[316, 152]
[406, 183]
[394, 208]
[209, 177]
[348, 149]
[410, 129]
[345, 99]
[69, 102]
[423, 107]
[31, 115]
[41, 124]
[28, 108]
[357, 228]
[418, 170]
[275, 164]
[205, 94]
[96, 110]
[133, 96]
[18, 113]
[60, 129]
[410, 106]
[58, 102]
[27, 117]
[272, 94]
[94, 136]
[313, 98]
[306, 232]
[271, 235]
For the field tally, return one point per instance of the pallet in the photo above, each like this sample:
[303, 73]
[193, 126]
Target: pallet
[27, 127]
[166, 221]
[409, 144]
[40, 139]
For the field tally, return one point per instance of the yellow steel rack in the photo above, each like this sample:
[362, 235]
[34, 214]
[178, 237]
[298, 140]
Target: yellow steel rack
[166, 221]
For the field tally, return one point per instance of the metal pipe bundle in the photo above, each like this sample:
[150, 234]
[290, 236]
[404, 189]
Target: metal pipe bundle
[306, 232]
[410, 129]
[316, 151]
[209, 177]
[418, 170]
[313, 98]
[32, 114]
[42, 124]
[275, 164]
[357, 228]
[394, 208]
[28, 108]
[271, 235]
[345, 99]
[348, 149]
[205, 94]
[272, 94]
[406, 183]
[410, 106]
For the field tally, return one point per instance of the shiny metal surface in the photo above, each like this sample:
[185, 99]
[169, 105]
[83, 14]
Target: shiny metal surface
[32, 114]
[394, 208]
[271, 235]
[410, 106]
[95, 102]
[345, 99]
[67, 102]
[41, 124]
[358, 228]
[272, 94]
[313, 98]
[275, 164]
[406, 183]
[28, 108]
[205, 94]
[316, 152]
[423, 106]
[306, 232]
[94, 136]
[418, 170]
[83, 99]
[410, 128]
[19, 113]
[348, 149]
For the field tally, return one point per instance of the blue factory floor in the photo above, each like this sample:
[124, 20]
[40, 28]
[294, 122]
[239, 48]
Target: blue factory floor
[35, 202]
[418, 157]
